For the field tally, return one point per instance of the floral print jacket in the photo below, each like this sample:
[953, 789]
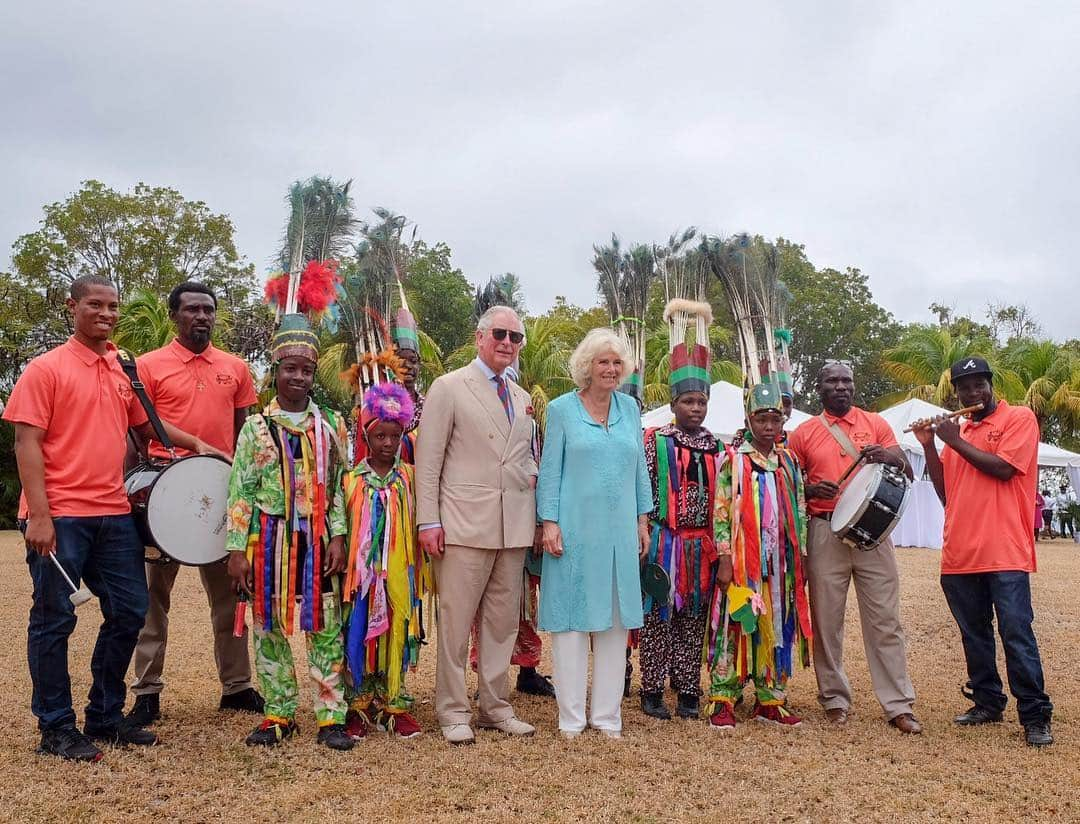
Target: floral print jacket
[256, 481]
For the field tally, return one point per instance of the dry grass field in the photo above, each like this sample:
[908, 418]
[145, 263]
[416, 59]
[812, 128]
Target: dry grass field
[670, 772]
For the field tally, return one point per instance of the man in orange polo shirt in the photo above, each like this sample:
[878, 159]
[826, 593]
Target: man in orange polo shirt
[194, 385]
[72, 408]
[832, 564]
[986, 477]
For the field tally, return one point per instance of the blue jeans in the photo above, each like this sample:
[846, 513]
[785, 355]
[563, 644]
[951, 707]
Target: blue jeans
[973, 599]
[105, 552]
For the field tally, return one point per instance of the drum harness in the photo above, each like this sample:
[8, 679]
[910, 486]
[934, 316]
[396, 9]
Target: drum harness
[840, 436]
[127, 363]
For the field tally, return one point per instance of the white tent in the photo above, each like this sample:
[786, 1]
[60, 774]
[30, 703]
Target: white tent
[924, 518]
[726, 412]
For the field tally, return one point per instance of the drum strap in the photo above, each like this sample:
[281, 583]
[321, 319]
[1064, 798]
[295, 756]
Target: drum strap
[841, 438]
[127, 363]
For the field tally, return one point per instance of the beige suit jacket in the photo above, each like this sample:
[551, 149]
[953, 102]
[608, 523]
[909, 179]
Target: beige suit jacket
[475, 473]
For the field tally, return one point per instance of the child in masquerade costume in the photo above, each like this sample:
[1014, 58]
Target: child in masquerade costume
[760, 618]
[682, 462]
[387, 574]
[286, 539]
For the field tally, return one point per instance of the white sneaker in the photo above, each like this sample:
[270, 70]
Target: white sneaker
[458, 734]
[510, 726]
[570, 735]
[611, 733]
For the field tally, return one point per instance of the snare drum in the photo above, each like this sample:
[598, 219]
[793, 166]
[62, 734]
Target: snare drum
[180, 508]
[870, 506]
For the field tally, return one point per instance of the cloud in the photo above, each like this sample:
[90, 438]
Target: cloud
[932, 146]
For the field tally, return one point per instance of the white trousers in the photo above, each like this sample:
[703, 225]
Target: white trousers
[570, 656]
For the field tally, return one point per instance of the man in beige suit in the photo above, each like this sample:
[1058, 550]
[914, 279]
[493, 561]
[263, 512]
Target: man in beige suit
[476, 506]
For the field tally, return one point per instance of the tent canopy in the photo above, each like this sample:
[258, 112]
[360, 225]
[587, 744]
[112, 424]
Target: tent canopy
[901, 416]
[726, 412]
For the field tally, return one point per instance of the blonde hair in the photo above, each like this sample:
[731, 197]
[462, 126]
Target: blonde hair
[596, 343]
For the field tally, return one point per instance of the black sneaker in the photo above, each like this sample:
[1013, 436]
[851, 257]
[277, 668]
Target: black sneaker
[247, 700]
[977, 715]
[530, 682]
[70, 744]
[122, 734]
[335, 737]
[1037, 734]
[652, 704]
[688, 706]
[269, 733]
[145, 711]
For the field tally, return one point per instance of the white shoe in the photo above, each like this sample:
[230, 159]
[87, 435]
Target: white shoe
[510, 726]
[611, 733]
[570, 735]
[458, 734]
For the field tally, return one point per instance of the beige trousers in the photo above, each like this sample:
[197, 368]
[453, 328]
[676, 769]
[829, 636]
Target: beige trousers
[231, 654]
[831, 565]
[485, 583]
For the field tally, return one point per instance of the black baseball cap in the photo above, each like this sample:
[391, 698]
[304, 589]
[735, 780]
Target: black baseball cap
[969, 366]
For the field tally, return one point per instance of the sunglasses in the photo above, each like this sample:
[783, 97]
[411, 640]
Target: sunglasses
[500, 334]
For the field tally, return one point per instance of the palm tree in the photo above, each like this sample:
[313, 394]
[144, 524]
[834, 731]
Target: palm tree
[921, 362]
[144, 324]
[1044, 377]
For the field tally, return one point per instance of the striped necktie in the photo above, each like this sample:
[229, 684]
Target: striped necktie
[504, 396]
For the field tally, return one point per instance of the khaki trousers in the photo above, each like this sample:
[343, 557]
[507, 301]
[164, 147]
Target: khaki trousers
[485, 583]
[831, 564]
[231, 654]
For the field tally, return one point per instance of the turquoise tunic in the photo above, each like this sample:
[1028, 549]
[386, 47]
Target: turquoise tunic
[594, 484]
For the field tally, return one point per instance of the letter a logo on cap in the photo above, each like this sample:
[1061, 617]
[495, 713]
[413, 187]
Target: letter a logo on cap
[969, 365]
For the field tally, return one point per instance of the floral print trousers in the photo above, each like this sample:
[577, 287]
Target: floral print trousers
[672, 648]
[326, 665]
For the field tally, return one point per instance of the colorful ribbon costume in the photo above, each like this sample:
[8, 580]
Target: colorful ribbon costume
[760, 519]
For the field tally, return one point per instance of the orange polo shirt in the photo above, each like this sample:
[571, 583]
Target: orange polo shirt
[198, 393]
[823, 459]
[990, 524]
[84, 403]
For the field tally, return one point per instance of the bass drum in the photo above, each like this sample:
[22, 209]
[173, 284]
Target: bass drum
[870, 506]
[180, 508]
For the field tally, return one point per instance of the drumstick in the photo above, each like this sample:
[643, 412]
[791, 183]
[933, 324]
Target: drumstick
[850, 469]
[79, 596]
[922, 423]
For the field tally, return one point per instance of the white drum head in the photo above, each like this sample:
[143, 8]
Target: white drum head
[186, 511]
[856, 495]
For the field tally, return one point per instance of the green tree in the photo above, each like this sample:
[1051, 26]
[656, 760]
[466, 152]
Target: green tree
[440, 296]
[149, 238]
[1046, 378]
[833, 316]
[919, 364]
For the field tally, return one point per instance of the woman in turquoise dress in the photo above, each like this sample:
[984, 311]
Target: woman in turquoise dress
[593, 496]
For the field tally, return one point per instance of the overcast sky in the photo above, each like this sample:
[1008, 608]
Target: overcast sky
[934, 145]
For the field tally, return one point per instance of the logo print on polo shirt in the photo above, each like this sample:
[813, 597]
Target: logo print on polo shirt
[224, 379]
[993, 436]
[124, 390]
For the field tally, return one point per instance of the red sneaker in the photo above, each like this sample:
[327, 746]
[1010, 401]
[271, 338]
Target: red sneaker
[775, 714]
[355, 725]
[723, 718]
[401, 724]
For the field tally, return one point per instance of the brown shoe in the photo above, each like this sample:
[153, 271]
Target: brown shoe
[907, 724]
[837, 716]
